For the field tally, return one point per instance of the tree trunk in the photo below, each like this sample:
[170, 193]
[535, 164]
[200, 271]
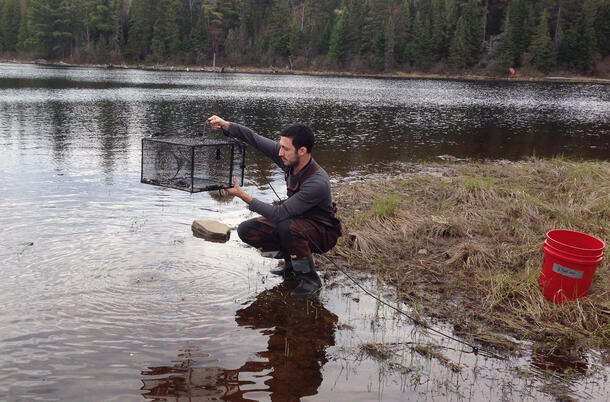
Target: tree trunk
[558, 28]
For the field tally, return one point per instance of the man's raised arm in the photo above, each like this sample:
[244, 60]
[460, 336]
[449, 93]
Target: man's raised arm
[268, 147]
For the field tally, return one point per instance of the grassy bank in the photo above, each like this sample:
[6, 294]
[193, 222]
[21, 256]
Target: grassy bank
[465, 247]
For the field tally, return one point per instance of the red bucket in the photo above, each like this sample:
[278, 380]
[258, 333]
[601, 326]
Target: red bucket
[570, 261]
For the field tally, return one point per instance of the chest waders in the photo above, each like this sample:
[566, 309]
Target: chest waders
[296, 239]
[304, 268]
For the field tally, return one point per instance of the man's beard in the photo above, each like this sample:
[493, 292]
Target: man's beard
[294, 163]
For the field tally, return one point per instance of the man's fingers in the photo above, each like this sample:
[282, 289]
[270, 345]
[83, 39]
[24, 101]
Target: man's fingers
[215, 122]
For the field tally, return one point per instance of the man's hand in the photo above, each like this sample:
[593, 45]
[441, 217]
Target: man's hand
[218, 124]
[239, 192]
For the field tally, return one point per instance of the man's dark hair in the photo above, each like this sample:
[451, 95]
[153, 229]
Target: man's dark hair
[301, 135]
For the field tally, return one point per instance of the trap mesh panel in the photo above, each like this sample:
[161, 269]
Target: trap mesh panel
[192, 164]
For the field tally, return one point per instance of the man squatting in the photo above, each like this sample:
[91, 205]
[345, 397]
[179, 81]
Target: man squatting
[303, 223]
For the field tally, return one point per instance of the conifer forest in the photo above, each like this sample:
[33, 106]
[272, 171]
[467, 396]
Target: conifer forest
[339, 35]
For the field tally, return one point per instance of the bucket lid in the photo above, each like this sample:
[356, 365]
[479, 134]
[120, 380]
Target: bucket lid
[576, 243]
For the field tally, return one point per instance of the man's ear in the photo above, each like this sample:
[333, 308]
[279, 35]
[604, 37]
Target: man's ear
[302, 151]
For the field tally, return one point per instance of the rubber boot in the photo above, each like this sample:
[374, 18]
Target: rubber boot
[276, 254]
[310, 282]
[285, 269]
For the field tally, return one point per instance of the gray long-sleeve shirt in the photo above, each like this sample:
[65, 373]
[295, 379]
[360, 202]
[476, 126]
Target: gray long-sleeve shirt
[313, 197]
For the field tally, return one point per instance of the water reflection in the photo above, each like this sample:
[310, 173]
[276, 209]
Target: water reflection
[360, 123]
[299, 333]
[60, 126]
[112, 125]
[567, 368]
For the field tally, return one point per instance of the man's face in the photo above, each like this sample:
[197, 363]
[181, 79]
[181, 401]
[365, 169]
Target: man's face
[288, 152]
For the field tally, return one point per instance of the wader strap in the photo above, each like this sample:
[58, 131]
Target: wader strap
[309, 171]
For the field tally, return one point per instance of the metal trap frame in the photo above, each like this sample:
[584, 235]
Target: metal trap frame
[192, 164]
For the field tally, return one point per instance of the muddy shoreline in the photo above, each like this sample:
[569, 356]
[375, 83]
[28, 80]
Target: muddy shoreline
[565, 77]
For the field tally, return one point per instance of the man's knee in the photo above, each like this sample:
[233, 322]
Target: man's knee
[246, 227]
[282, 232]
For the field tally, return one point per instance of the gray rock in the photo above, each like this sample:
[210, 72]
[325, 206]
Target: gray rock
[211, 230]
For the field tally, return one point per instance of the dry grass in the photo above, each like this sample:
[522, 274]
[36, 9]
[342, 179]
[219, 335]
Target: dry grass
[431, 352]
[468, 246]
[378, 351]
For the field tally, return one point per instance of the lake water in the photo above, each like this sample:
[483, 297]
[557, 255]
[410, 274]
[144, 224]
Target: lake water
[106, 295]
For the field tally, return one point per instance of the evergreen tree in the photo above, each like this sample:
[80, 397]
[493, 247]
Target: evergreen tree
[602, 28]
[65, 28]
[402, 20]
[280, 29]
[506, 53]
[389, 43]
[100, 19]
[437, 32]
[356, 12]
[542, 49]
[372, 30]
[10, 19]
[116, 40]
[229, 9]
[577, 48]
[41, 26]
[1, 19]
[519, 28]
[421, 45]
[458, 50]
[26, 40]
[142, 16]
[466, 45]
[201, 39]
[338, 38]
[319, 25]
[379, 51]
[253, 12]
[165, 30]
[450, 17]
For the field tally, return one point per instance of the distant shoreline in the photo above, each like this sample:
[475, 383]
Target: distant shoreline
[278, 71]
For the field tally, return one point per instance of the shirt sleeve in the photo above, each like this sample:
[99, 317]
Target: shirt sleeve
[309, 195]
[268, 147]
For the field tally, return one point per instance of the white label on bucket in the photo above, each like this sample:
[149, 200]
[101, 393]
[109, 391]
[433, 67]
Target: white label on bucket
[572, 273]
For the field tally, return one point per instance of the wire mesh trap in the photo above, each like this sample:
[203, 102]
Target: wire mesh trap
[192, 164]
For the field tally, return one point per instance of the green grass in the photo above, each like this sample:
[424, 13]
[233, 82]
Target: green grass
[477, 183]
[385, 206]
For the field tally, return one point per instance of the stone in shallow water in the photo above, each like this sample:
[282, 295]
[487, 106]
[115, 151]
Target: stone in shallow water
[211, 230]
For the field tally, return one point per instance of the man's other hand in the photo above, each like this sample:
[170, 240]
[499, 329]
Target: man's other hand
[237, 191]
